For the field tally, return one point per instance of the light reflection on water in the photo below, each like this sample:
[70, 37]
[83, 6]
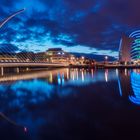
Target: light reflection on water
[135, 83]
[47, 99]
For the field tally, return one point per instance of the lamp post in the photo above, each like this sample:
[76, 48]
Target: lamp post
[106, 58]
[83, 58]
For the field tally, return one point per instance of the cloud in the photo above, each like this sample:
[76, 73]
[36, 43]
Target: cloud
[8, 48]
[91, 23]
[124, 11]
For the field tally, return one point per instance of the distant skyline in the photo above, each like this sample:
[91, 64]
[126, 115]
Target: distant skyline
[90, 27]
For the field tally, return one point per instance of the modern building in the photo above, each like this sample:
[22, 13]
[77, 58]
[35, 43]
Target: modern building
[57, 55]
[52, 55]
[8, 57]
[125, 49]
[41, 57]
[135, 48]
[25, 56]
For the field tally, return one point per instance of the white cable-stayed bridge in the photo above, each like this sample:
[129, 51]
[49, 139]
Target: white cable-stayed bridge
[8, 60]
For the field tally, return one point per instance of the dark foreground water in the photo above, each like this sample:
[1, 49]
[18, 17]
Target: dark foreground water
[70, 105]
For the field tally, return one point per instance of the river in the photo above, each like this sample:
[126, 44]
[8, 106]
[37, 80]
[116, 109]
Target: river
[70, 104]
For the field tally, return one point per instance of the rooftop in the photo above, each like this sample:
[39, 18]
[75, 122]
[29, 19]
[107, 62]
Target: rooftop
[54, 49]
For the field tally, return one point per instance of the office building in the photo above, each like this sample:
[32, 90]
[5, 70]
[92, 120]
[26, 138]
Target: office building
[135, 47]
[125, 49]
[57, 55]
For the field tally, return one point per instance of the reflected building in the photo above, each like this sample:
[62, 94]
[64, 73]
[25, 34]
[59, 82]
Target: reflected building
[135, 83]
[61, 78]
[129, 85]
[106, 75]
[124, 82]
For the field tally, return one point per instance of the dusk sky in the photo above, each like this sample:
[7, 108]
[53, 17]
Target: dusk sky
[92, 27]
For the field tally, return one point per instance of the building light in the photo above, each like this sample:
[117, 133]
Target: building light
[106, 57]
[72, 58]
[135, 48]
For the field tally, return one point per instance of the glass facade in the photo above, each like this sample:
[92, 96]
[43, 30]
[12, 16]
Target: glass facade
[135, 49]
[125, 49]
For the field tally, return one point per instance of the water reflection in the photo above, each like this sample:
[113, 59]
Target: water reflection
[44, 87]
[2, 115]
[135, 83]
[106, 75]
[61, 100]
[60, 76]
[124, 82]
[83, 79]
[129, 85]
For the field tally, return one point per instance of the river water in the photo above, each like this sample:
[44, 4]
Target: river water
[70, 104]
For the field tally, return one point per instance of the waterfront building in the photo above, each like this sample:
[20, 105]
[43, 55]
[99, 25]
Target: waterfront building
[7, 57]
[125, 49]
[25, 56]
[57, 55]
[52, 55]
[41, 57]
[135, 47]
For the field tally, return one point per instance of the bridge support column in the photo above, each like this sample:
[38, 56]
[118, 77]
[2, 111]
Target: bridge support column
[17, 70]
[2, 71]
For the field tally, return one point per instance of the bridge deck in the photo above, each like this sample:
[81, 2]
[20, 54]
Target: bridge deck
[30, 64]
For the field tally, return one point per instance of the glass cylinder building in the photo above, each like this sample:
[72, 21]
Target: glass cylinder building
[135, 49]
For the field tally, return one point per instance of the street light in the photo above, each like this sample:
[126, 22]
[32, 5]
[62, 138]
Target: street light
[106, 58]
[72, 58]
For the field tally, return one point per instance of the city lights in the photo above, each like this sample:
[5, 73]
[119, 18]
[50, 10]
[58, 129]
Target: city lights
[106, 58]
[135, 51]
[69, 69]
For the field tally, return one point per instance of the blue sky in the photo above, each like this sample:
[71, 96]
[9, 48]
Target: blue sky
[92, 27]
